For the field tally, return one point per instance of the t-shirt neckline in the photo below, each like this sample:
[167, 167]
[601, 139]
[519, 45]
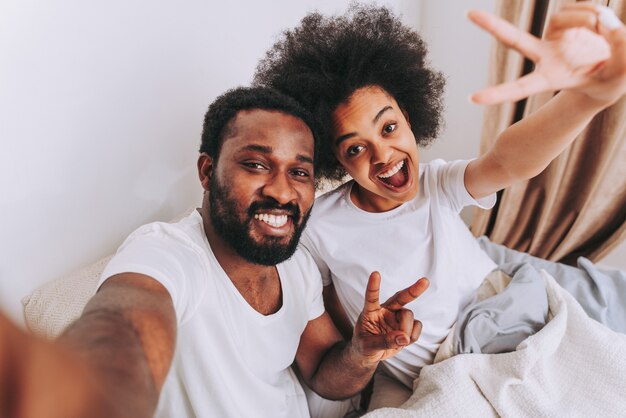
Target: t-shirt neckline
[233, 289]
[370, 215]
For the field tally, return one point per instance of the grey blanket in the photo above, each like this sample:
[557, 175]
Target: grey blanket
[498, 324]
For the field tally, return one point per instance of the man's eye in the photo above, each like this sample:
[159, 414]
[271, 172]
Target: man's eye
[354, 150]
[390, 127]
[300, 173]
[254, 165]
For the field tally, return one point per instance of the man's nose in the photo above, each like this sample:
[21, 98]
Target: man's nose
[279, 188]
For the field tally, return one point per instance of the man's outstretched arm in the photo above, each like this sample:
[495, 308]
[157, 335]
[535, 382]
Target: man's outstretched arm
[111, 362]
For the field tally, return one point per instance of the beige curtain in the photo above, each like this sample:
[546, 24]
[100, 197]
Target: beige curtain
[577, 206]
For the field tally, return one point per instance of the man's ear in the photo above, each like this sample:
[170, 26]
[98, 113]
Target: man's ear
[406, 116]
[205, 170]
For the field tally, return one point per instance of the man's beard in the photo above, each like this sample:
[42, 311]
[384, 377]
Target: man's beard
[224, 213]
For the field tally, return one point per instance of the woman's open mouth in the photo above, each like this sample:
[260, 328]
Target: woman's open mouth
[396, 177]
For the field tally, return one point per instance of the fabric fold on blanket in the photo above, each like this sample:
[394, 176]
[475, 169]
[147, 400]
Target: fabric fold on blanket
[600, 292]
[498, 324]
[574, 366]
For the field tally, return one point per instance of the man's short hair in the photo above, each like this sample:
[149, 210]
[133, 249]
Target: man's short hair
[224, 109]
[325, 59]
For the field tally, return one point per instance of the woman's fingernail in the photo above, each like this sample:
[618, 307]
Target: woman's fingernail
[607, 17]
[402, 340]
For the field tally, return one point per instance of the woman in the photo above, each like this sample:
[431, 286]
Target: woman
[365, 77]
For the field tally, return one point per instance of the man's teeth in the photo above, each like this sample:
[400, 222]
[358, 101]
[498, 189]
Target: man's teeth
[393, 170]
[273, 220]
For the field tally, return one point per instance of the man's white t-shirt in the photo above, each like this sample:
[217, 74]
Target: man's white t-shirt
[421, 238]
[230, 360]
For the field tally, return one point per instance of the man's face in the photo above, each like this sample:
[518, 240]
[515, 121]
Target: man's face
[262, 188]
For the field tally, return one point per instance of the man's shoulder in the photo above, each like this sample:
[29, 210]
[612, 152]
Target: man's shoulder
[167, 245]
[185, 232]
[170, 254]
[302, 263]
[300, 259]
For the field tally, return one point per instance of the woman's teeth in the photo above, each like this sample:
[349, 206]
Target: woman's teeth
[273, 220]
[393, 170]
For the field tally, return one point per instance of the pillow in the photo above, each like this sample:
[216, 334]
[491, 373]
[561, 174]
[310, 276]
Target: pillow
[56, 304]
[52, 307]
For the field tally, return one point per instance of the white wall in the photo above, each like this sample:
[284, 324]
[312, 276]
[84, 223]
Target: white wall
[461, 50]
[101, 106]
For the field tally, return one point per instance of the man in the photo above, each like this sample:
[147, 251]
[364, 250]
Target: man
[211, 312]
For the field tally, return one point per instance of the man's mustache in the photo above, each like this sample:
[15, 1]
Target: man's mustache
[290, 209]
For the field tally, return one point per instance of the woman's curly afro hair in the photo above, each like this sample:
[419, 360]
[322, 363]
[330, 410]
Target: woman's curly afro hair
[324, 60]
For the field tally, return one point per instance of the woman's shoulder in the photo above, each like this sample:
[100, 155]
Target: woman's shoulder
[330, 198]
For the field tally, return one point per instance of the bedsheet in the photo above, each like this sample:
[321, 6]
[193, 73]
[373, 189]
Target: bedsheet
[600, 292]
[574, 366]
[505, 311]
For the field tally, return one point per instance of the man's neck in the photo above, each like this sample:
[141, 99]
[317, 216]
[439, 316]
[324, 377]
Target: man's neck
[259, 285]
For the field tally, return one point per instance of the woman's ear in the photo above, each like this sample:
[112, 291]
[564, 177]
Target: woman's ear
[406, 116]
[205, 170]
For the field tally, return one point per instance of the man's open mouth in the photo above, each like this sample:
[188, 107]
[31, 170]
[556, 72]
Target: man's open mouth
[276, 221]
[396, 176]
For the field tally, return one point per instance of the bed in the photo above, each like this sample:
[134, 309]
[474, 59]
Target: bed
[561, 353]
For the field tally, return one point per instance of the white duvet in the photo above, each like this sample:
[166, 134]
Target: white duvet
[573, 367]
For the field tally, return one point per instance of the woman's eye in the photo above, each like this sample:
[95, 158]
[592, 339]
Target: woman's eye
[354, 150]
[390, 127]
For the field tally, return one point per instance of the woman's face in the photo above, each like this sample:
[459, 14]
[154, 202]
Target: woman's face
[373, 141]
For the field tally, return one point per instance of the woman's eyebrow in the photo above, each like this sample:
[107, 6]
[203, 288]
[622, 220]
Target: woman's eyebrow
[351, 134]
[380, 113]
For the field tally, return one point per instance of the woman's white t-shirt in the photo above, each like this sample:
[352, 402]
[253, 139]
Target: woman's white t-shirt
[421, 238]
